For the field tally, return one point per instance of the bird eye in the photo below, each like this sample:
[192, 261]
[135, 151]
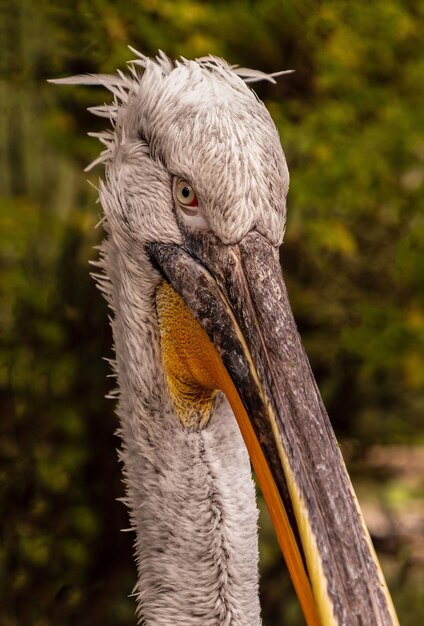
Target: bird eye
[187, 205]
[185, 195]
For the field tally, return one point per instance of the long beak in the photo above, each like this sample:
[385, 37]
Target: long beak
[237, 294]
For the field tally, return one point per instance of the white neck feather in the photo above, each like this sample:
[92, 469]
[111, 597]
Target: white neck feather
[190, 494]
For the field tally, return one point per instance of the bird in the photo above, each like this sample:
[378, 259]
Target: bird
[212, 375]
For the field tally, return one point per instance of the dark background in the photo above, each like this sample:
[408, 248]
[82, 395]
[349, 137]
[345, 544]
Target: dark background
[351, 121]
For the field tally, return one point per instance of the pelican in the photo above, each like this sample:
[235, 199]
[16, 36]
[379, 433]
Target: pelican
[211, 370]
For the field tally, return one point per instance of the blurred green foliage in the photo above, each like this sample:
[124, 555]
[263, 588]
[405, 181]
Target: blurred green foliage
[351, 120]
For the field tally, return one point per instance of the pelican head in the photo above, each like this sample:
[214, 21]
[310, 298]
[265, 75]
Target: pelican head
[209, 362]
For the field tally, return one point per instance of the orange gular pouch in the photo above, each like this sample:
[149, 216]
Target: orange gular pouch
[193, 367]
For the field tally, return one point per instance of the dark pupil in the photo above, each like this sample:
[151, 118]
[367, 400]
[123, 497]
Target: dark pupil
[185, 192]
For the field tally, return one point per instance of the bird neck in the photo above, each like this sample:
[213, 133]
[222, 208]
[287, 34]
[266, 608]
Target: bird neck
[190, 493]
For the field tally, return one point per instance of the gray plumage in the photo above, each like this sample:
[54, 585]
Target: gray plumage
[190, 494]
